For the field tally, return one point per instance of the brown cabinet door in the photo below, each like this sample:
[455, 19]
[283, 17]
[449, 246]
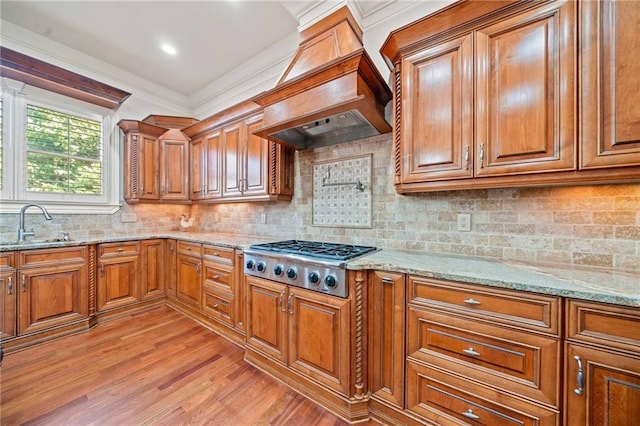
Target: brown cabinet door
[188, 280]
[213, 165]
[52, 296]
[8, 291]
[437, 111]
[319, 337]
[152, 277]
[601, 388]
[610, 87]
[149, 168]
[233, 160]
[118, 281]
[525, 82]
[386, 336]
[197, 168]
[256, 161]
[267, 317]
[174, 166]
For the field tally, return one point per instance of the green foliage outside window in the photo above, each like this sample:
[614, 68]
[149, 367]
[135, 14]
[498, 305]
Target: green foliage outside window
[63, 153]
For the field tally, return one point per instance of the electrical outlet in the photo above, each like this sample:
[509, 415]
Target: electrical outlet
[215, 217]
[128, 217]
[464, 222]
[263, 218]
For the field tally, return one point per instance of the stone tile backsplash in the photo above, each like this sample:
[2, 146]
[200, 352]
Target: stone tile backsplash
[579, 225]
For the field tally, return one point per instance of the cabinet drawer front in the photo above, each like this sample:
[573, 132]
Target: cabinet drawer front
[119, 249]
[602, 324]
[446, 399]
[52, 256]
[190, 249]
[218, 254]
[7, 260]
[515, 308]
[217, 304]
[519, 362]
[219, 277]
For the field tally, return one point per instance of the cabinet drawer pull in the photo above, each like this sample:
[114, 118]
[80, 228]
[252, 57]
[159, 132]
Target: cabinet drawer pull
[198, 269]
[215, 277]
[579, 377]
[24, 284]
[282, 301]
[120, 249]
[471, 352]
[289, 305]
[470, 415]
[10, 286]
[481, 155]
[101, 269]
[471, 301]
[215, 253]
[466, 157]
[215, 306]
[387, 280]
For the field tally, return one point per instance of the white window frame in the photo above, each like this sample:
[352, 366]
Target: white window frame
[14, 194]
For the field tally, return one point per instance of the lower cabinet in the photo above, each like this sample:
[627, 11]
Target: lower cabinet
[153, 269]
[171, 263]
[189, 274]
[219, 284]
[8, 326]
[602, 364]
[305, 331]
[118, 274]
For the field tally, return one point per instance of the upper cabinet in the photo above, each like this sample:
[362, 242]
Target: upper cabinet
[230, 163]
[485, 96]
[610, 87]
[155, 161]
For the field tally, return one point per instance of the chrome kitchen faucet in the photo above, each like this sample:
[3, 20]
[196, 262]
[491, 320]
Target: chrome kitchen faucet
[21, 231]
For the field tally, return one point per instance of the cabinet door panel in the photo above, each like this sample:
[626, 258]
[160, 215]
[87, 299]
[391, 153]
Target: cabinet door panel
[51, 297]
[257, 157]
[7, 304]
[525, 74]
[152, 275]
[213, 165]
[117, 282]
[196, 168]
[437, 105]
[267, 318]
[149, 164]
[319, 337]
[174, 166]
[188, 285]
[233, 167]
[610, 91]
[610, 390]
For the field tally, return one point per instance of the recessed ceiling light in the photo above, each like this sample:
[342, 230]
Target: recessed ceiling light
[167, 48]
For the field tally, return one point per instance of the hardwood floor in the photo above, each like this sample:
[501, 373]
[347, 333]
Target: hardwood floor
[155, 367]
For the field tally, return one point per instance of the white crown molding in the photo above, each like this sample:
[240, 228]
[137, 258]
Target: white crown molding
[22, 40]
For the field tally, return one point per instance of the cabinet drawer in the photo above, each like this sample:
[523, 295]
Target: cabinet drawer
[217, 304]
[52, 256]
[447, 399]
[190, 249]
[602, 324]
[224, 255]
[516, 308]
[523, 363]
[119, 249]
[7, 260]
[218, 277]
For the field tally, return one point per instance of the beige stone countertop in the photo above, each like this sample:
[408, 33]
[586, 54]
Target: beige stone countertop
[596, 284]
[600, 285]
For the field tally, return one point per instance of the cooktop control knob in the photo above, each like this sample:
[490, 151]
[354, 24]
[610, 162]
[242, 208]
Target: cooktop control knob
[261, 267]
[278, 270]
[292, 273]
[314, 277]
[330, 281]
[251, 265]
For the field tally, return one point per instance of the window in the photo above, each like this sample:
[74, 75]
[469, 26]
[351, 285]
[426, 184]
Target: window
[57, 151]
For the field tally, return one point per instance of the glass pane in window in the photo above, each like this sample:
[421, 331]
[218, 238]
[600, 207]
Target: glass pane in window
[64, 152]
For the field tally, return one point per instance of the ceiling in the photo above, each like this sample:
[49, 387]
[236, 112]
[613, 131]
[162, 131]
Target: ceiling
[212, 37]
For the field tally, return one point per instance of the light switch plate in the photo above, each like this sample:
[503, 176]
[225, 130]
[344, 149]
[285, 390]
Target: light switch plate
[128, 217]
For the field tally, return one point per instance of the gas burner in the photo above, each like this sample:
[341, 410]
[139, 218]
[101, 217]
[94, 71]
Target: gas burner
[330, 251]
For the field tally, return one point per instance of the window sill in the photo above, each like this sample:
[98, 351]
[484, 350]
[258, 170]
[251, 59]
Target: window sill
[60, 208]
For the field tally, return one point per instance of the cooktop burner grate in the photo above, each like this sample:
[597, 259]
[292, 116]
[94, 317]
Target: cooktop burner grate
[333, 251]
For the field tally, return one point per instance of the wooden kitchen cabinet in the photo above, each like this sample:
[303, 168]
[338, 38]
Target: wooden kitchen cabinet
[155, 163]
[172, 264]
[219, 284]
[602, 364]
[206, 166]
[8, 294]
[189, 274]
[118, 275]
[153, 269]
[52, 288]
[386, 296]
[308, 332]
[235, 165]
[609, 91]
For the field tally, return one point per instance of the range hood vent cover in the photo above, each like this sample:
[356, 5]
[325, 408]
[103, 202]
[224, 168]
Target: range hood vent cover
[330, 93]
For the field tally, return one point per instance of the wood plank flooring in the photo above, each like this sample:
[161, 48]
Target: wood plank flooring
[152, 368]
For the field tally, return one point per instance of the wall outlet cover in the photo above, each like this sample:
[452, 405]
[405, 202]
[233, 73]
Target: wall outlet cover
[464, 222]
[128, 217]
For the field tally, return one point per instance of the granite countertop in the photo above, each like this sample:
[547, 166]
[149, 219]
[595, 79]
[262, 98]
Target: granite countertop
[595, 284]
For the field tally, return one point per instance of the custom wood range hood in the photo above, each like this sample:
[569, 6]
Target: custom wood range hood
[330, 93]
